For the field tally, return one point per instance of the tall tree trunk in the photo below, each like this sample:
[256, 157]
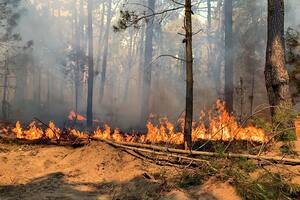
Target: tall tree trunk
[100, 39]
[105, 51]
[208, 16]
[81, 25]
[229, 88]
[39, 85]
[89, 112]
[141, 54]
[48, 88]
[209, 46]
[81, 51]
[147, 68]
[129, 67]
[5, 89]
[277, 79]
[218, 59]
[189, 76]
[77, 57]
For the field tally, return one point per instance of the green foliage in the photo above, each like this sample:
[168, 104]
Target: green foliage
[267, 186]
[246, 165]
[188, 179]
[262, 123]
[219, 148]
[283, 122]
[288, 149]
[282, 126]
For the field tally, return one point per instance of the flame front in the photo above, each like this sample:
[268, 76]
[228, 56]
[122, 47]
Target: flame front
[33, 133]
[218, 125]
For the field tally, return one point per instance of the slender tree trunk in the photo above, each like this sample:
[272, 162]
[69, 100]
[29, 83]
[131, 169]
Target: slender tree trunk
[209, 46]
[130, 55]
[77, 30]
[48, 88]
[105, 51]
[5, 87]
[89, 112]
[277, 79]
[147, 68]
[81, 51]
[217, 63]
[141, 54]
[189, 76]
[208, 16]
[39, 85]
[251, 97]
[229, 88]
[81, 25]
[159, 43]
[100, 39]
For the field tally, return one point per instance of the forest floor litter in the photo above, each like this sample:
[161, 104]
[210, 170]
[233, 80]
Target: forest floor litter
[96, 171]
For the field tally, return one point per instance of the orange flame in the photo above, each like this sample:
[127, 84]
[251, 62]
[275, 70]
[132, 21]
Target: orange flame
[32, 133]
[75, 116]
[220, 126]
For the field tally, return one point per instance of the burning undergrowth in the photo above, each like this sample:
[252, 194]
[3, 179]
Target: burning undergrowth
[215, 126]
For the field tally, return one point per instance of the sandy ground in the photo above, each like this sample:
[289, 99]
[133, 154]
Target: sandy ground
[93, 172]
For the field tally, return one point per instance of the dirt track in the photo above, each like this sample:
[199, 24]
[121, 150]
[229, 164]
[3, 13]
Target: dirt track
[95, 171]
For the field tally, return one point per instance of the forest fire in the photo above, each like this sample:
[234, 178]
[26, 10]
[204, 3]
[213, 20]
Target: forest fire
[117, 99]
[217, 125]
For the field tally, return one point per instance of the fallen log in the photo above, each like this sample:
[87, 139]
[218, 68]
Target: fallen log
[154, 152]
[154, 148]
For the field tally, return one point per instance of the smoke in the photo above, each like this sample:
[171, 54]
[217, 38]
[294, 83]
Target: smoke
[45, 71]
[292, 14]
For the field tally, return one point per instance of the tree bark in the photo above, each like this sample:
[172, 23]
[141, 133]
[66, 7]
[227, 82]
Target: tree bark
[276, 75]
[189, 76]
[105, 51]
[175, 152]
[5, 89]
[218, 51]
[209, 42]
[39, 85]
[140, 64]
[90, 95]
[229, 88]
[81, 25]
[77, 28]
[129, 66]
[100, 39]
[147, 68]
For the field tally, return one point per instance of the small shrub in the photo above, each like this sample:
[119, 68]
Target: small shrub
[288, 149]
[283, 123]
[189, 179]
[268, 186]
[246, 165]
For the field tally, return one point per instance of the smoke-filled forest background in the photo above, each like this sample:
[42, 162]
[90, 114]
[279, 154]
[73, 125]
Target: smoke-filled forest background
[44, 59]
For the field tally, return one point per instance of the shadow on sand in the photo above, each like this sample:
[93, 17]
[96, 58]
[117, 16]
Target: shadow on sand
[55, 187]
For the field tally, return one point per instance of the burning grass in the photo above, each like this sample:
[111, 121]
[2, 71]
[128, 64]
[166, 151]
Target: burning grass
[216, 125]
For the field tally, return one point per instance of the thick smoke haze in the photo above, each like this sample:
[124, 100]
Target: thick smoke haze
[44, 84]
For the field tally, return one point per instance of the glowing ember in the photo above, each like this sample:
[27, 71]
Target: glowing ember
[217, 125]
